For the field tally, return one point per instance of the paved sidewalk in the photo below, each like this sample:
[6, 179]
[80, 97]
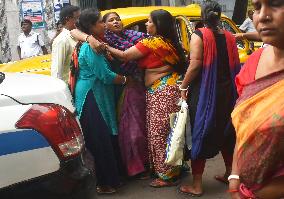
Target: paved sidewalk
[139, 189]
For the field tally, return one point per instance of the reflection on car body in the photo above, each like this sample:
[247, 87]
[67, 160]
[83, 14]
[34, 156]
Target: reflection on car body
[41, 143]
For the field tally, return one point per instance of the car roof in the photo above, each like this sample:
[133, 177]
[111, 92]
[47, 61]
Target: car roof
[131, 15]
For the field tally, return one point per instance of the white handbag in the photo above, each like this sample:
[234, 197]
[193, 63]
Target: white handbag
[176, 138]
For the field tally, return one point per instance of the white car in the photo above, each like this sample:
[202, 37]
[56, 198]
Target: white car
[41, 143]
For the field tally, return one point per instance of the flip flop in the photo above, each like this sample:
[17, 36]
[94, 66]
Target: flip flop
[221, 179]
[189, 193]
[159, 183]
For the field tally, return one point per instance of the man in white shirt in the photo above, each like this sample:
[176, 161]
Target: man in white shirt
[247, 25]
[30, 43]
[63, 45]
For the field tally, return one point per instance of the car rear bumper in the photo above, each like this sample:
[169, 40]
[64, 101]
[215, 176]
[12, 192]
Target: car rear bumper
[75, 179]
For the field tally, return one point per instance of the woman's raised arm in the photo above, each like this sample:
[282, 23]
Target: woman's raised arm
[196, 60]
[130, 54]
[94, 43]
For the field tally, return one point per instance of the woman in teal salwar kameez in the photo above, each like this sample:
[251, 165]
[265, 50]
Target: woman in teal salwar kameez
[95, 104]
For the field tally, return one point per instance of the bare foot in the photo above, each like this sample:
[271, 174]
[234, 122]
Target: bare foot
[190, 190]
[158, 183]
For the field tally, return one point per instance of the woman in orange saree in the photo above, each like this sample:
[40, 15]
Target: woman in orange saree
[259, 121]
[258, 117]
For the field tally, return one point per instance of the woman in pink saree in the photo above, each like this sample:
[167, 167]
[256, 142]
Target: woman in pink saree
[258, 117]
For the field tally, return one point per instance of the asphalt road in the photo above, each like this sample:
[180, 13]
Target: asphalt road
[139, 189]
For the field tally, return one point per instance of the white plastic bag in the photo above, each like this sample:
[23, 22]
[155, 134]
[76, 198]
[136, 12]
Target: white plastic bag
[188, 137]
[176, 138]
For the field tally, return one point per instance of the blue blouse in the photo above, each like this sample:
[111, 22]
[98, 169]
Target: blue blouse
[95, 75]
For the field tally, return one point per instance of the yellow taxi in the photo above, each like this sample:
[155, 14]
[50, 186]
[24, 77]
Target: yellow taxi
[40, 65]
[187, 19]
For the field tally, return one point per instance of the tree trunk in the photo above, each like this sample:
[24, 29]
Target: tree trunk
[240, 11]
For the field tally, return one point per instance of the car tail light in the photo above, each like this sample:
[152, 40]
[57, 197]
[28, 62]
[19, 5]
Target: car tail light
[58, 125]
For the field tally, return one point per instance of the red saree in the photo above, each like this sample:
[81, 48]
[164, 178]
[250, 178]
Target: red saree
[259, 122]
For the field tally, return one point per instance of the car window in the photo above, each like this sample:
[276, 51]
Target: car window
[178, 27]
[227, 26]
[197, 23]
[184, 32]
[138, 26]
[184, 38]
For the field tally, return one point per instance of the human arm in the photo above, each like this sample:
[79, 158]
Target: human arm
[41, 43]
[130, 54]
[19, 48]
[94, 43]
[234, 183]
[44, 50]
[196, 60]
[101, 69]
[252, 36]
[19, 51]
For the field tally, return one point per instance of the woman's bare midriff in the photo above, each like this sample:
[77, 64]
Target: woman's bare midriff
[151, 75]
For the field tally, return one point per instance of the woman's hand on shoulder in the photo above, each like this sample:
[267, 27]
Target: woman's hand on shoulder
[108, 48]
[97, 46]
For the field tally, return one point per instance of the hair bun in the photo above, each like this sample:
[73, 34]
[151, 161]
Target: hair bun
[212, 13]
[212, 17]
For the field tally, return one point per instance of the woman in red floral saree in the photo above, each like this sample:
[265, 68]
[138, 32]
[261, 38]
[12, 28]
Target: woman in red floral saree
[258, 116]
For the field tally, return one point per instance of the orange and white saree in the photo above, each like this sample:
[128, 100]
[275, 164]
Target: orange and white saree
[258, 118]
